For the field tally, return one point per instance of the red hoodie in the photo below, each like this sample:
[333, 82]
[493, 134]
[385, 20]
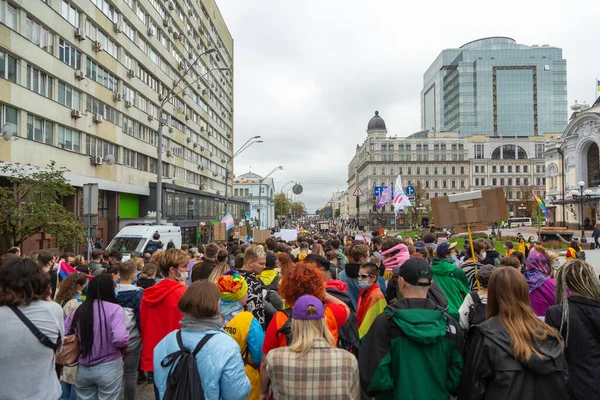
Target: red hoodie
[337, 285]
[159, 316]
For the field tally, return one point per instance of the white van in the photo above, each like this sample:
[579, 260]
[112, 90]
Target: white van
[136, 237]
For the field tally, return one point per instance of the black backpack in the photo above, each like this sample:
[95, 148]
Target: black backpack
[183, 381]
[477, 310]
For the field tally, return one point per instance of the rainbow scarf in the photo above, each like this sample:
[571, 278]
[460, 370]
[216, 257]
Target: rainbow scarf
[371, 303]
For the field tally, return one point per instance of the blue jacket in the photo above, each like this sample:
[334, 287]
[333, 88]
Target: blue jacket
[219, 362]
[350, 277]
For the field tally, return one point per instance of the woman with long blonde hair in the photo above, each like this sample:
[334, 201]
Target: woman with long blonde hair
[577, 318]
[513, 354]
[318, 250]
[312, 367]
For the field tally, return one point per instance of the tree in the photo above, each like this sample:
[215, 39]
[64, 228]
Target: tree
[337, 213]
[298, 209]
[282, 204]
[418, 209]
[31, 205]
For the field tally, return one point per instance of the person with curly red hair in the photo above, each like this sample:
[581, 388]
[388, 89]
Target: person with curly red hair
[305, 278]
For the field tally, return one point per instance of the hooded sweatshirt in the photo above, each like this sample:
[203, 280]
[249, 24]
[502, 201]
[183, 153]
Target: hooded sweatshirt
[412, 351]
[453, 282]
[159, 315]
[492, 371]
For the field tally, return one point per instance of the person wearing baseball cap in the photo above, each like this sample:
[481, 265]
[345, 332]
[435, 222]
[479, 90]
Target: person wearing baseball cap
[422, 342]
[451, 279]
[312, 367]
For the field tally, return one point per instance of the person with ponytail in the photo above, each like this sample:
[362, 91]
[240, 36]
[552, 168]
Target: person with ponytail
[99, 323]
[513, 354]
[577, 318]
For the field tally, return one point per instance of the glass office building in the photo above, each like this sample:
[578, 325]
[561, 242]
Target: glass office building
[496, 87]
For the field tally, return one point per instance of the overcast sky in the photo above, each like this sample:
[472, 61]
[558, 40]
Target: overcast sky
[310, 74]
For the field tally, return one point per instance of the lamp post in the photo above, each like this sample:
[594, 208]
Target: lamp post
[260, 182]
[170, 94]
[581, 196]
[237, 153]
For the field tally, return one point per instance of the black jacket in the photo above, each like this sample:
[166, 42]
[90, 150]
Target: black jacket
[492, 258]
[582, 347]
[491, 371]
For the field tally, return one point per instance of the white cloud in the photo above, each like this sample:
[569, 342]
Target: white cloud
[309, 75]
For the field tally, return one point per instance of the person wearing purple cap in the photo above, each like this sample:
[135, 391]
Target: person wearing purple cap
[312, 367]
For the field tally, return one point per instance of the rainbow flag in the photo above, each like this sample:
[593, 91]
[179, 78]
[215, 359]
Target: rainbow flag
[369, 308]
[542, 206]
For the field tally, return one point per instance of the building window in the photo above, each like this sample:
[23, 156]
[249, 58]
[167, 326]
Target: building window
[39, 35]
[444, 184]
[509, 181]
[509, 168]
[479, 150]
[502, 169]
[476, 169]
[517, 168]
[39, 82]
[501, 181]
[8, 15]
[69, 13]
[98, 107]
[482, 181]
[8, 67]
[444, 171]
[409, 171]
[476, 181]
[462, 170]
[8, 115]
[101, 148]
[107, 9]
[69, 139]
[453, 184]
[68, 97]
[526, 181]
[435, 184]
[518, 181]
[539, 150]
[69, 55]
[494, 182]
[493, 169]
[39, 129]
[462, 183]
[96, 34]
[418, 170]
[525, 168]
[101, 75]
[453, 170]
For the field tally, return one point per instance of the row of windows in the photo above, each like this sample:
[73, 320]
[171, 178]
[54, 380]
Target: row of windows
[510, 181]
[509, 169]
[418, 170]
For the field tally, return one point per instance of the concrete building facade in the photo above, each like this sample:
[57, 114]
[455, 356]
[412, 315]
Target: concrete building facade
[82, 80]
[260, 194]
[573, 166]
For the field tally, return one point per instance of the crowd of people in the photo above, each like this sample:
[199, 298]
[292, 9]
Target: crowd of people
[323, 317]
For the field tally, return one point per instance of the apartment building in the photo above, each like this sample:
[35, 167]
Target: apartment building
[82, 83]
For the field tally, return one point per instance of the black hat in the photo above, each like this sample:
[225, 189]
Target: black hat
[271, 260]
[414, 270]
[321, 261]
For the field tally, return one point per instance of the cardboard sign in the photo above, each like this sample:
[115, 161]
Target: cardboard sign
[260, 236]
[487, 207]
[239, 232]
[219, 232]
[289, 235]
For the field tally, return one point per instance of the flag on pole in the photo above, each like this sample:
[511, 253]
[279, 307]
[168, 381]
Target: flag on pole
[385, 197]
[542, 206]
[400, 199]
[228, 221]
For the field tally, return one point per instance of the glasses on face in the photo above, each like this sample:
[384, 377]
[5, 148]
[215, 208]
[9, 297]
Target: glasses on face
[365, 276]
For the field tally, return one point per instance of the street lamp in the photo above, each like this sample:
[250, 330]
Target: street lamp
[279, 168]
[237, 153]
[581, 196]
[170, 94]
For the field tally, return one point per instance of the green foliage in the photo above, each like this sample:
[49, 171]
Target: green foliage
[31, 205]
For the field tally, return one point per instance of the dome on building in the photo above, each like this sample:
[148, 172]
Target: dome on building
[376, 123]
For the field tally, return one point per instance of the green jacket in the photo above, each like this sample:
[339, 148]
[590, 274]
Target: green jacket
[413, 351]
[453, 282]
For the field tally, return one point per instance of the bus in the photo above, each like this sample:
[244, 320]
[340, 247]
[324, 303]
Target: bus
[519, 221]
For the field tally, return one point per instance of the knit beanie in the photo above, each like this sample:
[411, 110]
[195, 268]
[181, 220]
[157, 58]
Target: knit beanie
[232, 286]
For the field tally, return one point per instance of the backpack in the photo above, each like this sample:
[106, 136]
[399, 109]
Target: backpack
[183, 381]
[477, 310]
[152, 246]
[580, 255]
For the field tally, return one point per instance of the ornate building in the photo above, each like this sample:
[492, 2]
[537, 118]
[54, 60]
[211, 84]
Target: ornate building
[573, 171]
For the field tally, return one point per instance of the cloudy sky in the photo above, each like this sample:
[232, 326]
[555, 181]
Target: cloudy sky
[310, 74]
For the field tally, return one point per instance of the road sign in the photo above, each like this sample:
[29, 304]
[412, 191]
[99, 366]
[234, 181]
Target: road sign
[358, 192]
[410, 190]
[377, 190]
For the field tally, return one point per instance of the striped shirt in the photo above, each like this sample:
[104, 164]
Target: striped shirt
[323, 372]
